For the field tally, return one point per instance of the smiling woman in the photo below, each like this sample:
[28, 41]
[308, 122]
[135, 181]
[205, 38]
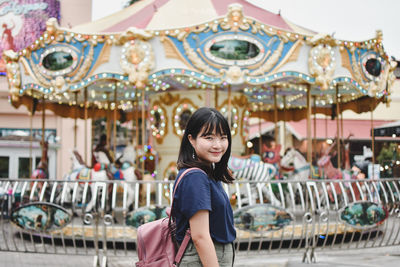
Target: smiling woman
[201, 203]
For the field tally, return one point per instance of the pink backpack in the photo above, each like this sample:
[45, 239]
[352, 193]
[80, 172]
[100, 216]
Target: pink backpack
[155, 246]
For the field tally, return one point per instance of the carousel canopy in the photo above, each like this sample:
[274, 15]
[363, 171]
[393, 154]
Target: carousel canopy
[167, 14]
[160, 46]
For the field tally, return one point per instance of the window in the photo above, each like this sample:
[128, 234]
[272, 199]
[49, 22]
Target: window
[4, 165]
[23, 167]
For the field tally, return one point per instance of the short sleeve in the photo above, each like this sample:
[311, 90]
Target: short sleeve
[193, 193]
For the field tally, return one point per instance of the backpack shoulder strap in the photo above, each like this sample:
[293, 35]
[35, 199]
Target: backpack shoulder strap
[179, 180]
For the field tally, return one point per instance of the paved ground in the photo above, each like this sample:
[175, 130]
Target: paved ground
[388, 257]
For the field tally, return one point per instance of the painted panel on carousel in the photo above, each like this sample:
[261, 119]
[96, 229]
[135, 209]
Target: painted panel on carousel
[40, 217]
[145, 215]
[227, 49]
[363, 215]
[261, 217]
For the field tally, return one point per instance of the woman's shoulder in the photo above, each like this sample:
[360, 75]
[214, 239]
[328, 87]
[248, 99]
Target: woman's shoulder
[193, 174]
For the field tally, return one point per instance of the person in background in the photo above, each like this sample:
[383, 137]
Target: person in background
[101, 147]
[200, 202]
[271, 151]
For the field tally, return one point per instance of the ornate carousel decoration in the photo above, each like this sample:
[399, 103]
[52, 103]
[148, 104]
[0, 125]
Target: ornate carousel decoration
[245, 64]
[181, 115]
[322, 64]
[137, 60]
[231, 114]
[158, 122]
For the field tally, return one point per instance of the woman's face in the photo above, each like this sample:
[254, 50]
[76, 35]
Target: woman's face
[209, 148]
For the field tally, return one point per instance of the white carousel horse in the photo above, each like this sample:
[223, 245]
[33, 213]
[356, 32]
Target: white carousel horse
[299, 168]
[81, 172]
[129, 154]
[97, 177]
[296, 168]
[253, 169]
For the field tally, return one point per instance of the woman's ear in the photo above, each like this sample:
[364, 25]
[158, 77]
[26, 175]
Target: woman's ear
[191, 139]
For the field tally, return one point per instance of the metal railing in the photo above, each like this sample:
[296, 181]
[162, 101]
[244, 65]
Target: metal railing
[100, 218]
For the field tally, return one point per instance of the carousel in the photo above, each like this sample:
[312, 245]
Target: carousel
[155, 62]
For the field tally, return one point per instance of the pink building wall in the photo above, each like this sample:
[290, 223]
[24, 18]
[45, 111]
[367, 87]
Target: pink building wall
[73, 12]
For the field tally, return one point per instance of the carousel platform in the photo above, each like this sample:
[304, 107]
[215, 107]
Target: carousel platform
[128, 234]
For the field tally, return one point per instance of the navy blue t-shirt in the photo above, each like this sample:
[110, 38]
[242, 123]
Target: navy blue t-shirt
[196, 191]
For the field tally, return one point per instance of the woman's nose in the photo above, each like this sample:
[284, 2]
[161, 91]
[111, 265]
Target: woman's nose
[217, 142]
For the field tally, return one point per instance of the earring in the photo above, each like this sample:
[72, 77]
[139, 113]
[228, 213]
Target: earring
[193, 155]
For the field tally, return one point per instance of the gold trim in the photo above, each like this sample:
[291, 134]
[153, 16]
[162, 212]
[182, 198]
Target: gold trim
[196, 61]
[170, 165]
[292, 55]
[346, 61]
[170, 49]
[174, 113]
[177, 53]
[160, 139]
[40, 79]
[103, 57]
[169, 98]
[225, 104]
[269, 63]
[84, 68]
[240, 101]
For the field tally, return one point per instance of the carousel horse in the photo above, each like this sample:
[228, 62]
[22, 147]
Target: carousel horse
[124, 170]
[42, 168]
[99, 173]
[253, 169]
[41, 171]
[82, 172]
[328, 171]
[296, 167]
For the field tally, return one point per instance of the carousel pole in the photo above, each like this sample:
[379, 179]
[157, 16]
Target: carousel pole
[30, 138]
[85, 117]
[338, 126]
[341, 135]
[372, 139]
[275, 115]
[115, 123]
[260, 131]
[216, 97]
[76, 119]
[314, 143]
[229, 104]
[108, 123]
[143, 128]
[309, 144]
[43, 121]
[136, 120]
[284, 123]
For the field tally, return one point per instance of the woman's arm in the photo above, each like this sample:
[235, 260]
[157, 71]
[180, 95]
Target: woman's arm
[199, 228]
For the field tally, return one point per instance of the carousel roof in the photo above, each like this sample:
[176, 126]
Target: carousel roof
[163, 14]
[161, 46]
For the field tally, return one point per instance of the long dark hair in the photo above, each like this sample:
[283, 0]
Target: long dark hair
[208, 119]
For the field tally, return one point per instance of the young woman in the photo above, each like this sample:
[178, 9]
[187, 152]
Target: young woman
[200, 202]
